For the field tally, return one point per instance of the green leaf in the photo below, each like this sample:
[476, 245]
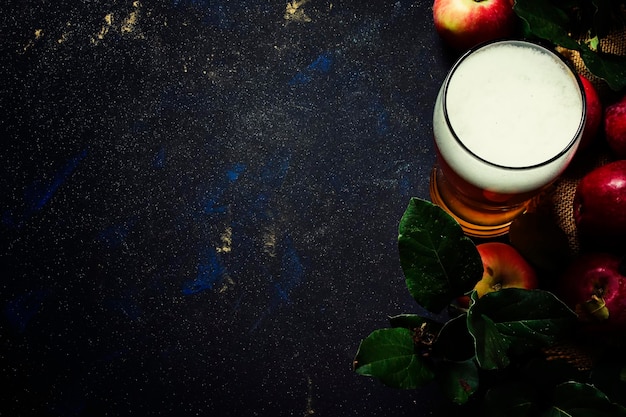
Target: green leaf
[574, 399]
[458, 380]
[390, 355]
[609, 375]
[425, 330]
[492, 347]
[611, 68]
[512, 399]
[515, 321]
[546, 21]
[569, 399]
[408, 321]
[438, 260]
[545, 374]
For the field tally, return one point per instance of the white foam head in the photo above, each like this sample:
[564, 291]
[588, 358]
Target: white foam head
[510, 104]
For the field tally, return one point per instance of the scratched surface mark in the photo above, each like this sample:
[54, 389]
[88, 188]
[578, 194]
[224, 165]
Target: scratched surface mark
[200, 203]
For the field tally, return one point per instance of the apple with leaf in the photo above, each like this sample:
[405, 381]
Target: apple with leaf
[496, 339]
[503, 267]
[594, 285]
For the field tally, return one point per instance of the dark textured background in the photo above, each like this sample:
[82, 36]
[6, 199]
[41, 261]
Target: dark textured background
[200, 202]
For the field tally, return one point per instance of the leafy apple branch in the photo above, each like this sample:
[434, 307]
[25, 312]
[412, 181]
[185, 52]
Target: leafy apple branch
[579, 25]
[501, 333]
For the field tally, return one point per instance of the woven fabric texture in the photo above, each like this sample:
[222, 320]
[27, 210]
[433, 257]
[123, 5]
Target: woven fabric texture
[558, 200]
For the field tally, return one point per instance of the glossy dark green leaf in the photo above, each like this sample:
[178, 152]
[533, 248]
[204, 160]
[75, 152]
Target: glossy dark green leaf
[545, 374]
[515, 321]
[574, 399]
[458, 380]
[438, 260]
[546, 21]
[408, 321]
[390, 356]
[511, 399]
[492, 347]
[609, 375]
[611, 68]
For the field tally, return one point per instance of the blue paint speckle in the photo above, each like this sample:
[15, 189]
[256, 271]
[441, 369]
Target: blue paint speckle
[300, 78]
[322, 65]
[213, 202]
[211, 271]
[40, 192]
[234, 173]
[158, 161]
[404, 184]
[382, 125]
[291, 272]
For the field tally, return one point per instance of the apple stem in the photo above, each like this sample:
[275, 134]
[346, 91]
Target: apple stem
[595, 309]
[600, 304]
[423, 338]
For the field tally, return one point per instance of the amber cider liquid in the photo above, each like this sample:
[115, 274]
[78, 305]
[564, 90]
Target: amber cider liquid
[506, 123]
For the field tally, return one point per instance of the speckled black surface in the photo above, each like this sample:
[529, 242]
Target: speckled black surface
[200, 203]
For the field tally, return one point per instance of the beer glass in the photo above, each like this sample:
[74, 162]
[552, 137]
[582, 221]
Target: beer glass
[507, 122]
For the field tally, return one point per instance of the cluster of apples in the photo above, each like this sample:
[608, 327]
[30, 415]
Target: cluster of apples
[593, 282]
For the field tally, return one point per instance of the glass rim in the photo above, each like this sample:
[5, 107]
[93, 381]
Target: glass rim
[567, 64]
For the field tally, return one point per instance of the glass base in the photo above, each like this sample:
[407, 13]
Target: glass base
[476, 221]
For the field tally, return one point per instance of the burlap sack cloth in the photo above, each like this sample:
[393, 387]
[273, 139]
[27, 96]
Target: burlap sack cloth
[558, 200]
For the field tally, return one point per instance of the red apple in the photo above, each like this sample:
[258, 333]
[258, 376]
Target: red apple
[503, 267]
[600, 205]
[594, 286]
[594, 113]
[463, 24]
[615, 127]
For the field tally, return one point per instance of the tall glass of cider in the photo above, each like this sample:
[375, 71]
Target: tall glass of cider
[507, 122]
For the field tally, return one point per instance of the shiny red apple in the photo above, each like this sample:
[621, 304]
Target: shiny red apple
[503, 267]
[463, 24]
[600, 205]
[594, 286]
[615, 127]
[594, 113]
